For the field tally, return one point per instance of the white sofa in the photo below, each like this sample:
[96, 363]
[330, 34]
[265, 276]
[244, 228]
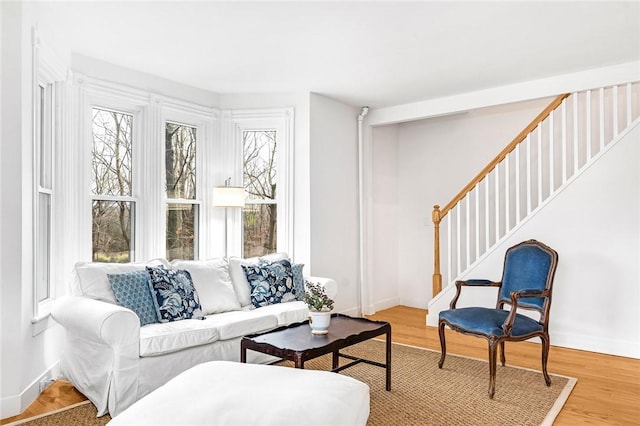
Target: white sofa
[114, 361]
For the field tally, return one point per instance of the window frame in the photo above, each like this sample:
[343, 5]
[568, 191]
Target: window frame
[48, 73]
[196, 202]
[282, 121]
[134, 198]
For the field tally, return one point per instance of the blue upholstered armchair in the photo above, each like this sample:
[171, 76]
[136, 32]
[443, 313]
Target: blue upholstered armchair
[527, 281]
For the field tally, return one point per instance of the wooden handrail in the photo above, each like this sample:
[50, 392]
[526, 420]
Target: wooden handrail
[438, 213]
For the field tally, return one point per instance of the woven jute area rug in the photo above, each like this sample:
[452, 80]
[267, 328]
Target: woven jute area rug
[421, 393]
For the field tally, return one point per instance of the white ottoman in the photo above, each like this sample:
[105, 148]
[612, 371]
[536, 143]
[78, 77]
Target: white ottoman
[231, 393]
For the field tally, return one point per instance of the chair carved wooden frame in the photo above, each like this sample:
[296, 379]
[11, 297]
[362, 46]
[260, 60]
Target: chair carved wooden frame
[527, 282]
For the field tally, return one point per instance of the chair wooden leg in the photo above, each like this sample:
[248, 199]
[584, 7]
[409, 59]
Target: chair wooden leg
[443, 344]
[493, 348]
[545, 357]
[503, 359]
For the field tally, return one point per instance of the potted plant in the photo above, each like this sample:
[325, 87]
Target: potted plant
[320, 307]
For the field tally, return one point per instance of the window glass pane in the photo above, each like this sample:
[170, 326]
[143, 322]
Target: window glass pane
[180, 161]
[260, 171]
[45, 132]
[112, 224]
[111, 155]
[260, 183]
[44, 244]
[181, 231]
[260, 230]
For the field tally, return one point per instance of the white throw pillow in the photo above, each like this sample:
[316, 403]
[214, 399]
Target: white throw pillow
[213, 284]
[92, 278]
[239, 279]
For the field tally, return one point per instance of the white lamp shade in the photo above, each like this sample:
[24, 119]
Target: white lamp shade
[228, 196]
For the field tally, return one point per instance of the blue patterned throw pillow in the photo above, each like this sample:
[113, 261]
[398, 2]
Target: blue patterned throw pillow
[174, 296]
[132, 291]
[270, 283]
[298, 280]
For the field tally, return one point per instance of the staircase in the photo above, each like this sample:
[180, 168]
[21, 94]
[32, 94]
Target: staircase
[553, 150]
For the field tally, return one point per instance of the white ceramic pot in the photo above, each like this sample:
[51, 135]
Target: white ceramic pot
[319, 322]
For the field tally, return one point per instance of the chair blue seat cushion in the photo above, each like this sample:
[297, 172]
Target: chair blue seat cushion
[488, 321]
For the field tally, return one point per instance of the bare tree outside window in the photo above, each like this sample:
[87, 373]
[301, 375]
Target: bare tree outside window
[111, 170]
[180, 172]
[260, 181]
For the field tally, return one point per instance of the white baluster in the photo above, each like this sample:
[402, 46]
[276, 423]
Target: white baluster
[477, 221]
[615, 111]
[449, 248]
[629, 104]
[497, 200]
[487, 216]
[539, 164]
[467, 230]
[575, 133]
[588, 114]
[563, 110]
[507, 194]
[601, 103]
[517, 195]
[458, 249]
[528, 174]
[551, 155]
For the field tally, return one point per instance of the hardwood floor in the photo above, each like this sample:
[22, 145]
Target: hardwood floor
[607, 392]
[608, 388]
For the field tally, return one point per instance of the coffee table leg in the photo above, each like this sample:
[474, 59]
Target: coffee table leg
[243, 353]
[389, 359]
[336, 357]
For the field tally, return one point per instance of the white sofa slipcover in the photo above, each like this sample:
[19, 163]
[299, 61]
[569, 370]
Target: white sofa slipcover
[114, 361]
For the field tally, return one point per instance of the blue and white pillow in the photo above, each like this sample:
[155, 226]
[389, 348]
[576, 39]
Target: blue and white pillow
[298, 280]
[132, 291]
[174, 296]
[270, 283]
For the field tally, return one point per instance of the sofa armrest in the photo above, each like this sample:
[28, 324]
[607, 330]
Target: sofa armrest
[330, 285]
[97, 321]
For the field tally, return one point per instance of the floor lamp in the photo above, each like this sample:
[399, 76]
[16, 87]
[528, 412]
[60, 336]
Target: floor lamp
[228, 196]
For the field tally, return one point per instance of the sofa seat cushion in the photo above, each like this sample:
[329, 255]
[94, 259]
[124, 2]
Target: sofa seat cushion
[240, 323]
[286, 313]
[162, 338]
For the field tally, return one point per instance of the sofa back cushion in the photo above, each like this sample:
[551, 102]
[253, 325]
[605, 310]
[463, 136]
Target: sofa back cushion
[91, 277]
[212, 282]
[239, 279]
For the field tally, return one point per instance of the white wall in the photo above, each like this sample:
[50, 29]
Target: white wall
[385, 253]
[26, 353]
[594, 225]
[334, 196]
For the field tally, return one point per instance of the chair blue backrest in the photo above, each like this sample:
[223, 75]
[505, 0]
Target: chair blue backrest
[528, 265]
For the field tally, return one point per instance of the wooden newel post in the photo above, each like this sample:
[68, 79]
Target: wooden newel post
[437, 277]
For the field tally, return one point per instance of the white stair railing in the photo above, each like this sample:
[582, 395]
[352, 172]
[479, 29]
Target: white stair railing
[570, 133]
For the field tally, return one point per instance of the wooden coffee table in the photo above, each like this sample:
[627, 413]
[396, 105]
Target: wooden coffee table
[296, 343]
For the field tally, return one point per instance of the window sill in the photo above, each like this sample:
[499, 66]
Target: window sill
[43, 321]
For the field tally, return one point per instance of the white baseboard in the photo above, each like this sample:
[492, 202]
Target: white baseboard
[16, 404]
[626, 348]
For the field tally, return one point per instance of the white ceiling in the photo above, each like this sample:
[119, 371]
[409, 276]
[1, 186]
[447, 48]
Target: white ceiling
[362, 53]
